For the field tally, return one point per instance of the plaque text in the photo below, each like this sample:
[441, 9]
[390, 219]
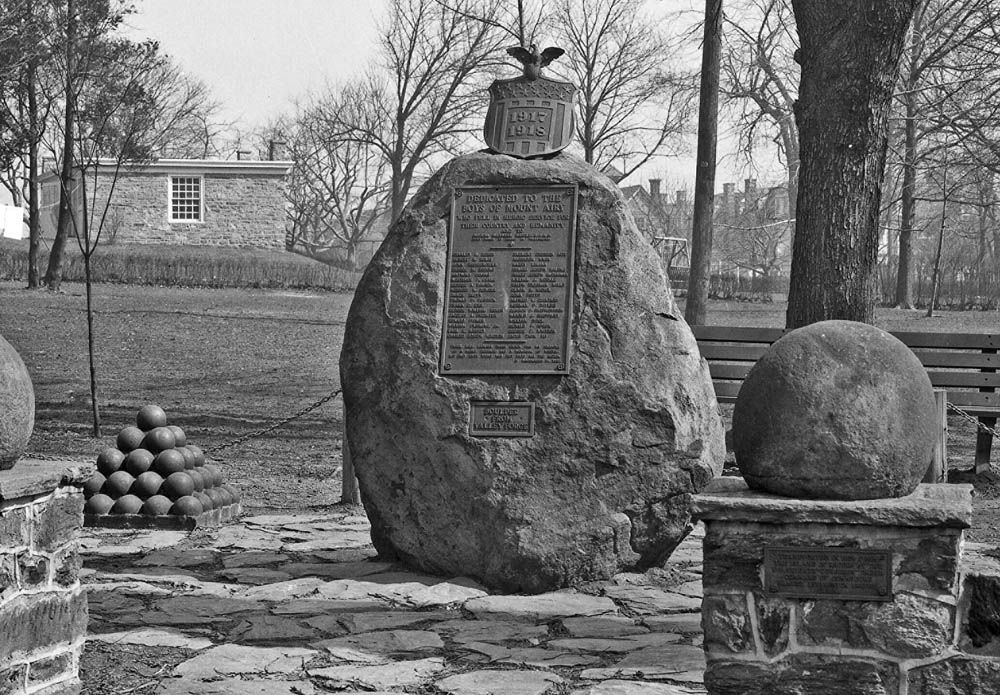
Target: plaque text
[509, 280]
[847, 574]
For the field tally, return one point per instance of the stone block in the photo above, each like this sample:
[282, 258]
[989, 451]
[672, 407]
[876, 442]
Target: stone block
[727, 625]
[66, 564]
[34, 570]
[773, 623]
[908, 627]
[959, 675]
[980, 631]
[804, 674]
[12, 679]
[929, 506]
[58, 522]
[52, 668]
[30, 477]
[8, 575]
[14, 528]
[734, 552]
[32, 622]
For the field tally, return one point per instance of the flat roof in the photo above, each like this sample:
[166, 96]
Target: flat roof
[191, 166]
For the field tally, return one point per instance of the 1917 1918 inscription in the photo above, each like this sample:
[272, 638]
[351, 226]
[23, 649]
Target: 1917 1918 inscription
[509, 280]
[847, 574]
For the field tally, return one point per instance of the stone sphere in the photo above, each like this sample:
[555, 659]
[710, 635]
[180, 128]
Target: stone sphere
[835, 410]
[17, 406]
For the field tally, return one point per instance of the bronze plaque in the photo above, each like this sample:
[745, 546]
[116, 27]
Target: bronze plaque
[501, 419]
[508, 289]
[846, 574]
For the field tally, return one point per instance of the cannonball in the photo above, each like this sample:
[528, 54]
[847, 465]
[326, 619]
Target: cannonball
[177, 485]
[199, 455]
[118, 484]
[157, 505]
[150, 417]
[138, 461]
[147, 485]
[129, 438]
[94, 484]
[188, 456]
[99, 504]
[17, 405]
[110, 460]
[225, 495]
[219, 498]
[158, 439]
[127, 504]
[213, 473]
[206, 501]
[180, 438]
[198, 478]
[233, 492]
[186, 506]
[835, 410]
[168, 462]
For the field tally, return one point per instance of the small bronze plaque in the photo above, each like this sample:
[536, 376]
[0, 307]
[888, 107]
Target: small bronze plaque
[501, 419]
[508, 288]
[845, 574]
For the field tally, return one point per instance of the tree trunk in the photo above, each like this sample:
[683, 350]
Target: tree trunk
[850, 58]
[908, 206]
[34, 224]
[53, 275]
[699, 275]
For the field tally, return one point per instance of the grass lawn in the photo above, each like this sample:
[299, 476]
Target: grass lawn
[225, 362]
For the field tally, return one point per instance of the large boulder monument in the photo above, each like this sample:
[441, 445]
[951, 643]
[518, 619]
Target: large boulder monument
[523, 402]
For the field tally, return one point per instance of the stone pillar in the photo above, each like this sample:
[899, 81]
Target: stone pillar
[766, 635]
[43, 608]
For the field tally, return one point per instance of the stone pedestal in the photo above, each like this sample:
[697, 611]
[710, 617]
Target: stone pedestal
[43, 609]
[760, 640]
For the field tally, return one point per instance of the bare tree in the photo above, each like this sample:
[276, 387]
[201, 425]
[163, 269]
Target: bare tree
[760, 80]
[27, 99]
[338, 188]
[634, 101]
[948, 105]
[421, 99]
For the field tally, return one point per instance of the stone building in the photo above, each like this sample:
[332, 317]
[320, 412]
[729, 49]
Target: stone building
[181, 201]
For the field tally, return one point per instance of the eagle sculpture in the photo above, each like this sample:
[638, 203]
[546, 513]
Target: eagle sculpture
[534, 61]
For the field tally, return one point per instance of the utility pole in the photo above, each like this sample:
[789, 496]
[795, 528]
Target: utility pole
[704, 178]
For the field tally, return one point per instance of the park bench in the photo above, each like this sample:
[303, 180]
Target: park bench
[965, 366]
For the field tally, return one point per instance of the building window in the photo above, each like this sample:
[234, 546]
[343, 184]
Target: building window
[185, 199]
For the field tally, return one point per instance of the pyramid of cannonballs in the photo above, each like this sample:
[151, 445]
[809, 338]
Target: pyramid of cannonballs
[154, 472]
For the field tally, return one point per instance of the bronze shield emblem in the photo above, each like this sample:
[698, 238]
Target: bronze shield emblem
[530, 118]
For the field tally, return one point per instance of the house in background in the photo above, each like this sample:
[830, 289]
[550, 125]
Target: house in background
[182, 201]
[666, 224]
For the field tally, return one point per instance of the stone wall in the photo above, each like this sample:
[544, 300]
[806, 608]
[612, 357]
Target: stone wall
[43, 609]
[760, 642]
[240, 210]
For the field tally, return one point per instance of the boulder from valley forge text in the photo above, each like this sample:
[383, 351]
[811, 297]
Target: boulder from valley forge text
[17, 405]
[622, 435]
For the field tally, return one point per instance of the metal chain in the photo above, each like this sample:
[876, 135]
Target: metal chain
[974, 420]
[259, 433]
[239, 440]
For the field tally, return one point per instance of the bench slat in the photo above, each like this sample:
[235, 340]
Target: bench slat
[964, 379]
[973, 400]
[737, 334]
[726, 391]
[729, 371]
[967, 341]
[958, 360]
[732, 353]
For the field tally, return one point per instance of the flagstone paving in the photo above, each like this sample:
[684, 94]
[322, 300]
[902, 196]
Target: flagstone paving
[300, 605]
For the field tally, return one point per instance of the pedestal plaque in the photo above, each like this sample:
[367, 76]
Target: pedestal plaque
[509, 280]
[847, 574]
